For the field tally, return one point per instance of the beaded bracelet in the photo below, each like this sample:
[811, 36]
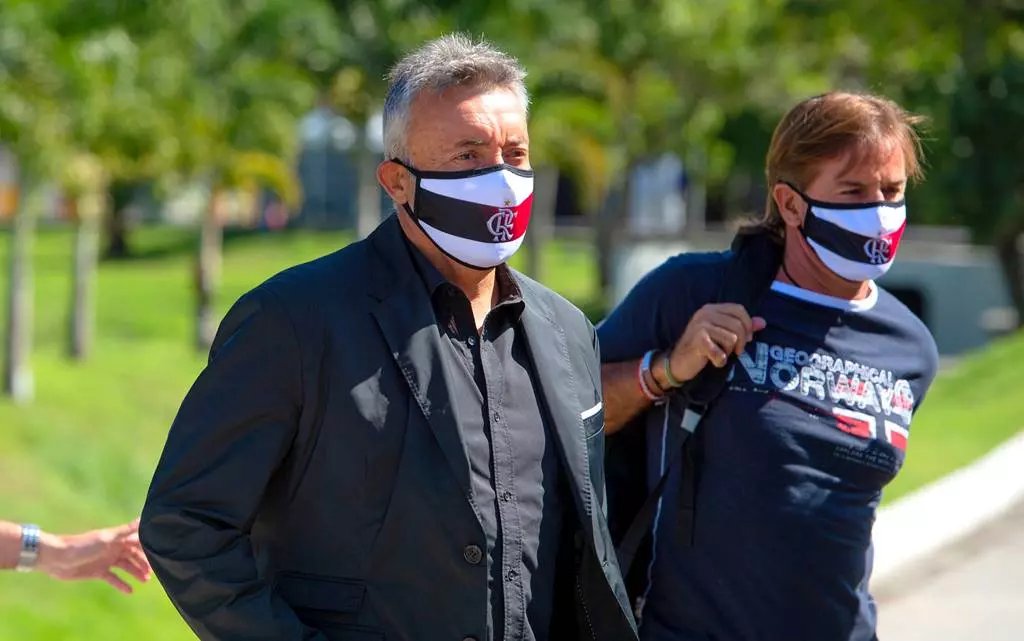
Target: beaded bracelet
[645, 365]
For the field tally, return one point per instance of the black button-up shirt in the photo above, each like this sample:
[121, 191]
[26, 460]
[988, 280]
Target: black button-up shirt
[515, 471]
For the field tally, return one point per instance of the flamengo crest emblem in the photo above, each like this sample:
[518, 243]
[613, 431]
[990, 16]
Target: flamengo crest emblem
[878, 250]
[500, 224]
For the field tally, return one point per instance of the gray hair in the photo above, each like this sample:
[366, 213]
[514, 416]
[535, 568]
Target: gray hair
[451, 60]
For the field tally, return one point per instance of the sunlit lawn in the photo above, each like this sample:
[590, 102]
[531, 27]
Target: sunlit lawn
[973, 406]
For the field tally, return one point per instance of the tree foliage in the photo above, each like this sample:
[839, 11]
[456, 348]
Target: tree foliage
[99, 94]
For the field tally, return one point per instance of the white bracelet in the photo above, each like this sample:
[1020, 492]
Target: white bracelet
[645, 368]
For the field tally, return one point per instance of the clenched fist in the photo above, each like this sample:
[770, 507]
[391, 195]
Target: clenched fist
[713, 333]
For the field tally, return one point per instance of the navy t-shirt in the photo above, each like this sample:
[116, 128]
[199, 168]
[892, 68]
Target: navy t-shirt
[794, 456]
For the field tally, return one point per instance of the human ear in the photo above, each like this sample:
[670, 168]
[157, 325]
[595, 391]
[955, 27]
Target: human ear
[791, 206]
[395, 180]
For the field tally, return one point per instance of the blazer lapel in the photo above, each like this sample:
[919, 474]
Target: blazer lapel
[406, 318]
[549, 352]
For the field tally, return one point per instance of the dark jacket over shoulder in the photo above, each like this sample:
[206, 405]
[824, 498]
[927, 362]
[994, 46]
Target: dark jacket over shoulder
[314, 484]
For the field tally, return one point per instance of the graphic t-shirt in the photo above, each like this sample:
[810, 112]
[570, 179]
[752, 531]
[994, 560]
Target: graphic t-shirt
[794, 455]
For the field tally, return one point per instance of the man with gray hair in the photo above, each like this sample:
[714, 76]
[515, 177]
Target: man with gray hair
[402, 440]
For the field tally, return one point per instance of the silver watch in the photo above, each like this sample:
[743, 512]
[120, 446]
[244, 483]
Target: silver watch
[29, 554]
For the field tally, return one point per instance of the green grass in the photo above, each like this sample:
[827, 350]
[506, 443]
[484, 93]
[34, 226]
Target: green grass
[82, 454]
[972, 407]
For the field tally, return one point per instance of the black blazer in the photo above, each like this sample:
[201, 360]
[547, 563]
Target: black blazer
[314, 484]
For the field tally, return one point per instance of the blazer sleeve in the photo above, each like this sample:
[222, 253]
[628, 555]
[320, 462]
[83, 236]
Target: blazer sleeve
[231, 433]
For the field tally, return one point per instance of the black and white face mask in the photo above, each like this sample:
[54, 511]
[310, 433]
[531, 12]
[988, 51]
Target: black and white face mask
[857, 241]
[476, 217]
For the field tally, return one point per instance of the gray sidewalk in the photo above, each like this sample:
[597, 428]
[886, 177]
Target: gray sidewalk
[971, 591]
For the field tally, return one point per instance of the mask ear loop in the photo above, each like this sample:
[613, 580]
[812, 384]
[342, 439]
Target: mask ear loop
[415, 174]
[785, 271]
[412, 170]
[800, 228]
[408, 209]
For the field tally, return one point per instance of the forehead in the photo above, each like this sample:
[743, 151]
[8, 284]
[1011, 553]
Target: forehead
[467, 112]
[871, 163]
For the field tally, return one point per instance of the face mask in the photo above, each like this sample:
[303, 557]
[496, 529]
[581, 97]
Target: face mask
[477, 217]
[857, 241]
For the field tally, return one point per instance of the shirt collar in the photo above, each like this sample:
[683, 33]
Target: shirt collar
[509, 292]
[824, 300]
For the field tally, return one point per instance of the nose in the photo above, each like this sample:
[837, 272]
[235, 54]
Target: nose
[493, 157]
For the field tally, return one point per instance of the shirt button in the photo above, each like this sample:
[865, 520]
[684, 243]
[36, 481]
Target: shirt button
[511, 576]
[496, 417]
[473, 554]
[472, 341]
[506, 496]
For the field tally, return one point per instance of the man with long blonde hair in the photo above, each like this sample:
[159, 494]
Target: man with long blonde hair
[789, 461]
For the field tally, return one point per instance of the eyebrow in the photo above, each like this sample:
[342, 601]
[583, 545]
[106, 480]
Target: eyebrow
[476, 142]
[857, 183]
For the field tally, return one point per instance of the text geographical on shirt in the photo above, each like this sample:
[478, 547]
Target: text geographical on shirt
[866, 401]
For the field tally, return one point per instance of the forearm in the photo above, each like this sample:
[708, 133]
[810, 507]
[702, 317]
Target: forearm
[623, 398]
[50, 546]
[10, 544]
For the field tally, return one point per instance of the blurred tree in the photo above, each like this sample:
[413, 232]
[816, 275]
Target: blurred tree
[984, 172]
[238, 92]
[373, 36]
[121, 133]
[961, 64]
[85, 190]
[34, 127]
[209, 91]
[113, 86]
[617, 83]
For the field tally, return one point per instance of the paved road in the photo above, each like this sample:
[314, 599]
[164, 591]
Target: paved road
[973, 591]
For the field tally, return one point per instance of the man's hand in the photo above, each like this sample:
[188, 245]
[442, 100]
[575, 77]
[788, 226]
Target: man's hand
[713, 333]
[94, 555]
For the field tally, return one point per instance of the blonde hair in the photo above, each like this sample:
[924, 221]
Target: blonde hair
[828, 126]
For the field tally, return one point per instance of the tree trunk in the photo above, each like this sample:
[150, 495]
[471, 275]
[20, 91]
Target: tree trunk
[696, 196]
[18, 383]
[610, 216]
[208, 267]
[368, 197]
[542, 221]
[1008, 250]
[117, 220]
[83, 278]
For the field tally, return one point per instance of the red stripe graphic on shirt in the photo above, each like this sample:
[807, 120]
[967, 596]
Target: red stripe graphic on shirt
[856, 423]
[897, 435]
